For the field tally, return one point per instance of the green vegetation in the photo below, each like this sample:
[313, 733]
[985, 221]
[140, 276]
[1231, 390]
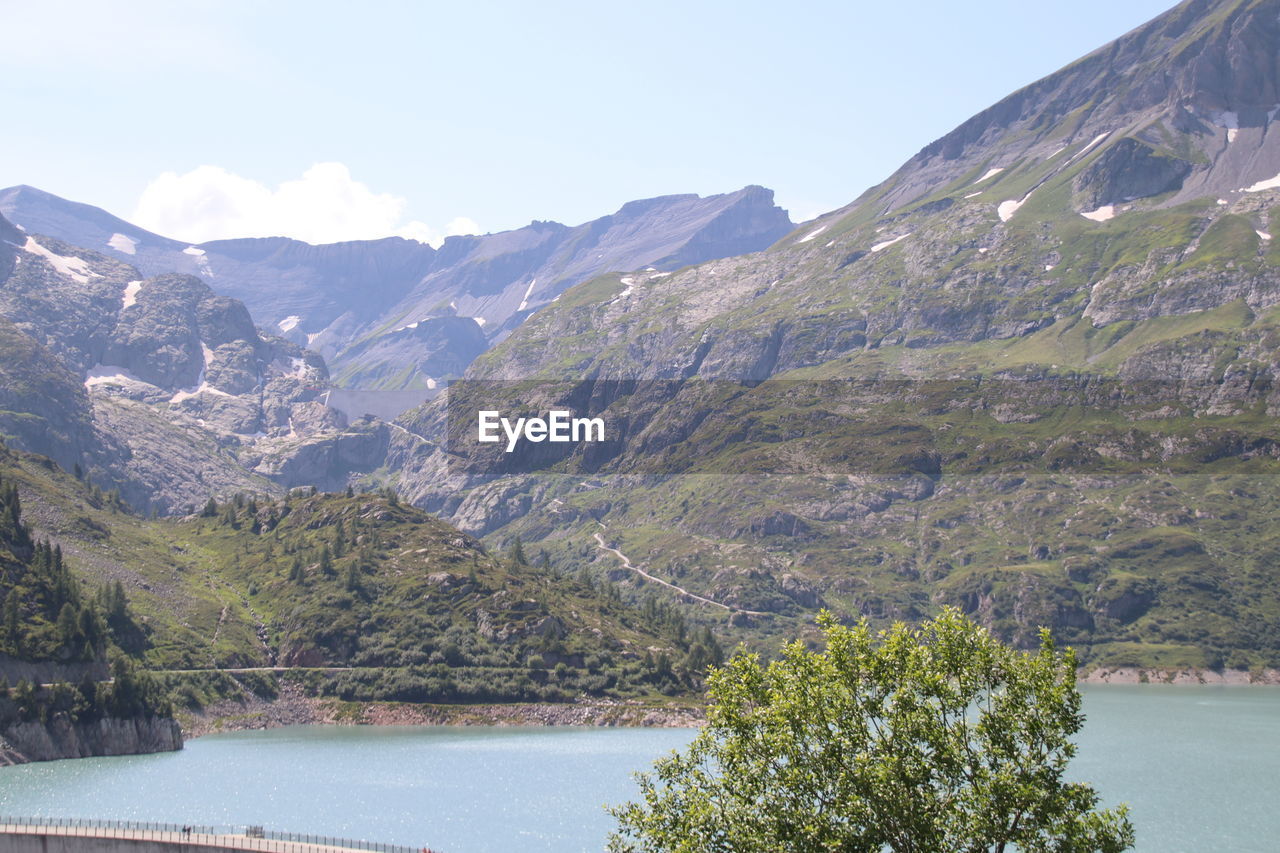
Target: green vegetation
[364, 597]
[130, 694]
[931, 739]
[44, 615]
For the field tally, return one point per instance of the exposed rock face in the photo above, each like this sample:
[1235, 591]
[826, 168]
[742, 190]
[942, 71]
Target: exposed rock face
[436, 346]
[325, 459]
[61, 738]
[160, 387]
[1129, 170]
[43, 405]
[274, 276]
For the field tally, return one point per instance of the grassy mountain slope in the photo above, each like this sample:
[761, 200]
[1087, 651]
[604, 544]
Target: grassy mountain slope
[390, 602]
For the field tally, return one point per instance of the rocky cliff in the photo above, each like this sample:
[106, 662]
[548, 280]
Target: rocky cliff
[61, 738]
[160, 387]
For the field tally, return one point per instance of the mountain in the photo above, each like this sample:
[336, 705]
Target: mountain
[395, 314]
[1033, 373]
[158, 387]
[493, 283]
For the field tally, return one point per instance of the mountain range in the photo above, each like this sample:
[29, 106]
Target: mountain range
[398, 315]
[1033, 373]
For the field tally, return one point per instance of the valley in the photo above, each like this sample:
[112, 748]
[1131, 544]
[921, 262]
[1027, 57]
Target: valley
[1031, 374]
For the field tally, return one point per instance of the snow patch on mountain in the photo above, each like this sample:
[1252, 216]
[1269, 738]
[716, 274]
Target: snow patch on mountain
[524, 303]
[1230, 121]
[1007, 209]
[887, 243]
[123, 243]
[74, 268]
[1268, 184]
[109, 374]
[814, 233]
[1083, 151]
[1102, 214]
[131, 293]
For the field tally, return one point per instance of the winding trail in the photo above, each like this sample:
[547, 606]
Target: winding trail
[626, 563]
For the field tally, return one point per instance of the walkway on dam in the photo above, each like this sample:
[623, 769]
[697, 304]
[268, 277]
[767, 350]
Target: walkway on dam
[209, 838]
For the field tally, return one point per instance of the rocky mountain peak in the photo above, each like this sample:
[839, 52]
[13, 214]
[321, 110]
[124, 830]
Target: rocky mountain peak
[1201, 81]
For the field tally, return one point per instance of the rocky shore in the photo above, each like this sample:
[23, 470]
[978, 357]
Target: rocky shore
[292, 707]
[1137, 675]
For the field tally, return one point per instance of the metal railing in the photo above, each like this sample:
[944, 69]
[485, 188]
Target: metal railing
[233, 837]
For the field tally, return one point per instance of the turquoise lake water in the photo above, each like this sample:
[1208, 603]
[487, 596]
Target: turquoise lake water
[1200, 768]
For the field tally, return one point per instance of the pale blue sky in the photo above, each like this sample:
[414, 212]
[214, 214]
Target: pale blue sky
[500, 112]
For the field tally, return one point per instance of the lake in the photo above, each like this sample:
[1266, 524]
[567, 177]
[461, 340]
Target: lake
[1200, 767]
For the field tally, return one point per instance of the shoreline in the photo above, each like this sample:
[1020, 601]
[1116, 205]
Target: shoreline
[1124, 675]
[293, 708]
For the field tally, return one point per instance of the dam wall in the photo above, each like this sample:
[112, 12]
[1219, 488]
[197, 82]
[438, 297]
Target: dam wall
[54, 835]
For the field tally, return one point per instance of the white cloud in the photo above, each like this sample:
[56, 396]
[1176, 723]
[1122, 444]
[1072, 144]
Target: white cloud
[325, 205]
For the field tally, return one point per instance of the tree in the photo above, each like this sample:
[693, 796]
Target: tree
[937, 739]
[517, 553]
[339, 539]
[67, 623]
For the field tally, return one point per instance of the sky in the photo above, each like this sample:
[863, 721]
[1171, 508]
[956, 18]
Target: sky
[326, 121]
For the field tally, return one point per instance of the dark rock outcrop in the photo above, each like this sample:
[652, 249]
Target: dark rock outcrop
[1127, 171]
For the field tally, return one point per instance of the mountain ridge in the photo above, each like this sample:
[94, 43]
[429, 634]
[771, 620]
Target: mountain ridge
[354, 301]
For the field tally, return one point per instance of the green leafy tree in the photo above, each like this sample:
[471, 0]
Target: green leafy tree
[937, 739]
